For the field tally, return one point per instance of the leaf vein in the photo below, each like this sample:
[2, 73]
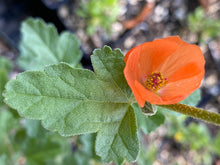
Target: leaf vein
[113, 78]
[67, 83]
[53, 54]
[85, 100]
[34, 86]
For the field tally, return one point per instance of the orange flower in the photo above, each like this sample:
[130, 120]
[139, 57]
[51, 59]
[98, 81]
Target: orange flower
[164, 71]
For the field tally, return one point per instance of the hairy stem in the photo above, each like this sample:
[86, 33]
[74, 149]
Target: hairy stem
[194, 112]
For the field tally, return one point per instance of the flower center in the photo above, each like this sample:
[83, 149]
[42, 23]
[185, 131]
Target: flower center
[155, 81]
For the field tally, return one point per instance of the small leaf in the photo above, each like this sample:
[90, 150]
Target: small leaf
[78, 101]
[41, 45]
[149, 109]
[150, 123]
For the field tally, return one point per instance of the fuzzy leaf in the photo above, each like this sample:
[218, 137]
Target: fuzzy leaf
[41, 45]
[78, 101]
[109, 66]
[119, 140]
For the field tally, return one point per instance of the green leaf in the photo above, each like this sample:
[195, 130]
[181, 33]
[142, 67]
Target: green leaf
[4, 159]
[39, 146]
[39, 150]
[5, 118]
[34, 128]
[77, 101]
[150, 123]
[119, 140]
[200, 138]
[41, 45]
[109, 66]
[216, 144]
[147, 155]
[5, 68]
[193, 99]
[7, 124]
[5, 64]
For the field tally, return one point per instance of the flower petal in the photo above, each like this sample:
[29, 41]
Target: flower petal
[147, 94]
[185, 54]
[128, 54]
[153, 54]
[179, 90]
[131, 73]
[187, 71]
[181, 63]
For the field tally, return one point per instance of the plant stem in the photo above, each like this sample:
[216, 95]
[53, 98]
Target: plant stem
[194, 112]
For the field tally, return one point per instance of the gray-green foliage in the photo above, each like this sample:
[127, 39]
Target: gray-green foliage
[194, 136]
[204, 25]
[98, 14]
[78, 101]
[41, 45]
[199, 132]
[16, 143]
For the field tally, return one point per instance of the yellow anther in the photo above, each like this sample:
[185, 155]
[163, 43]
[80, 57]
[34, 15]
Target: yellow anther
[155, 81]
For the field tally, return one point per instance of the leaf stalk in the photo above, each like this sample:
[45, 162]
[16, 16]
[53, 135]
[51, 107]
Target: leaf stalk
[198, 113]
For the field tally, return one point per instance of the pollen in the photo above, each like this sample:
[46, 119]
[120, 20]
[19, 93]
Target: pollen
[155, 81]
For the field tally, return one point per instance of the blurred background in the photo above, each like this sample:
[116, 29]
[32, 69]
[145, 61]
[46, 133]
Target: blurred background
[124, 24]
